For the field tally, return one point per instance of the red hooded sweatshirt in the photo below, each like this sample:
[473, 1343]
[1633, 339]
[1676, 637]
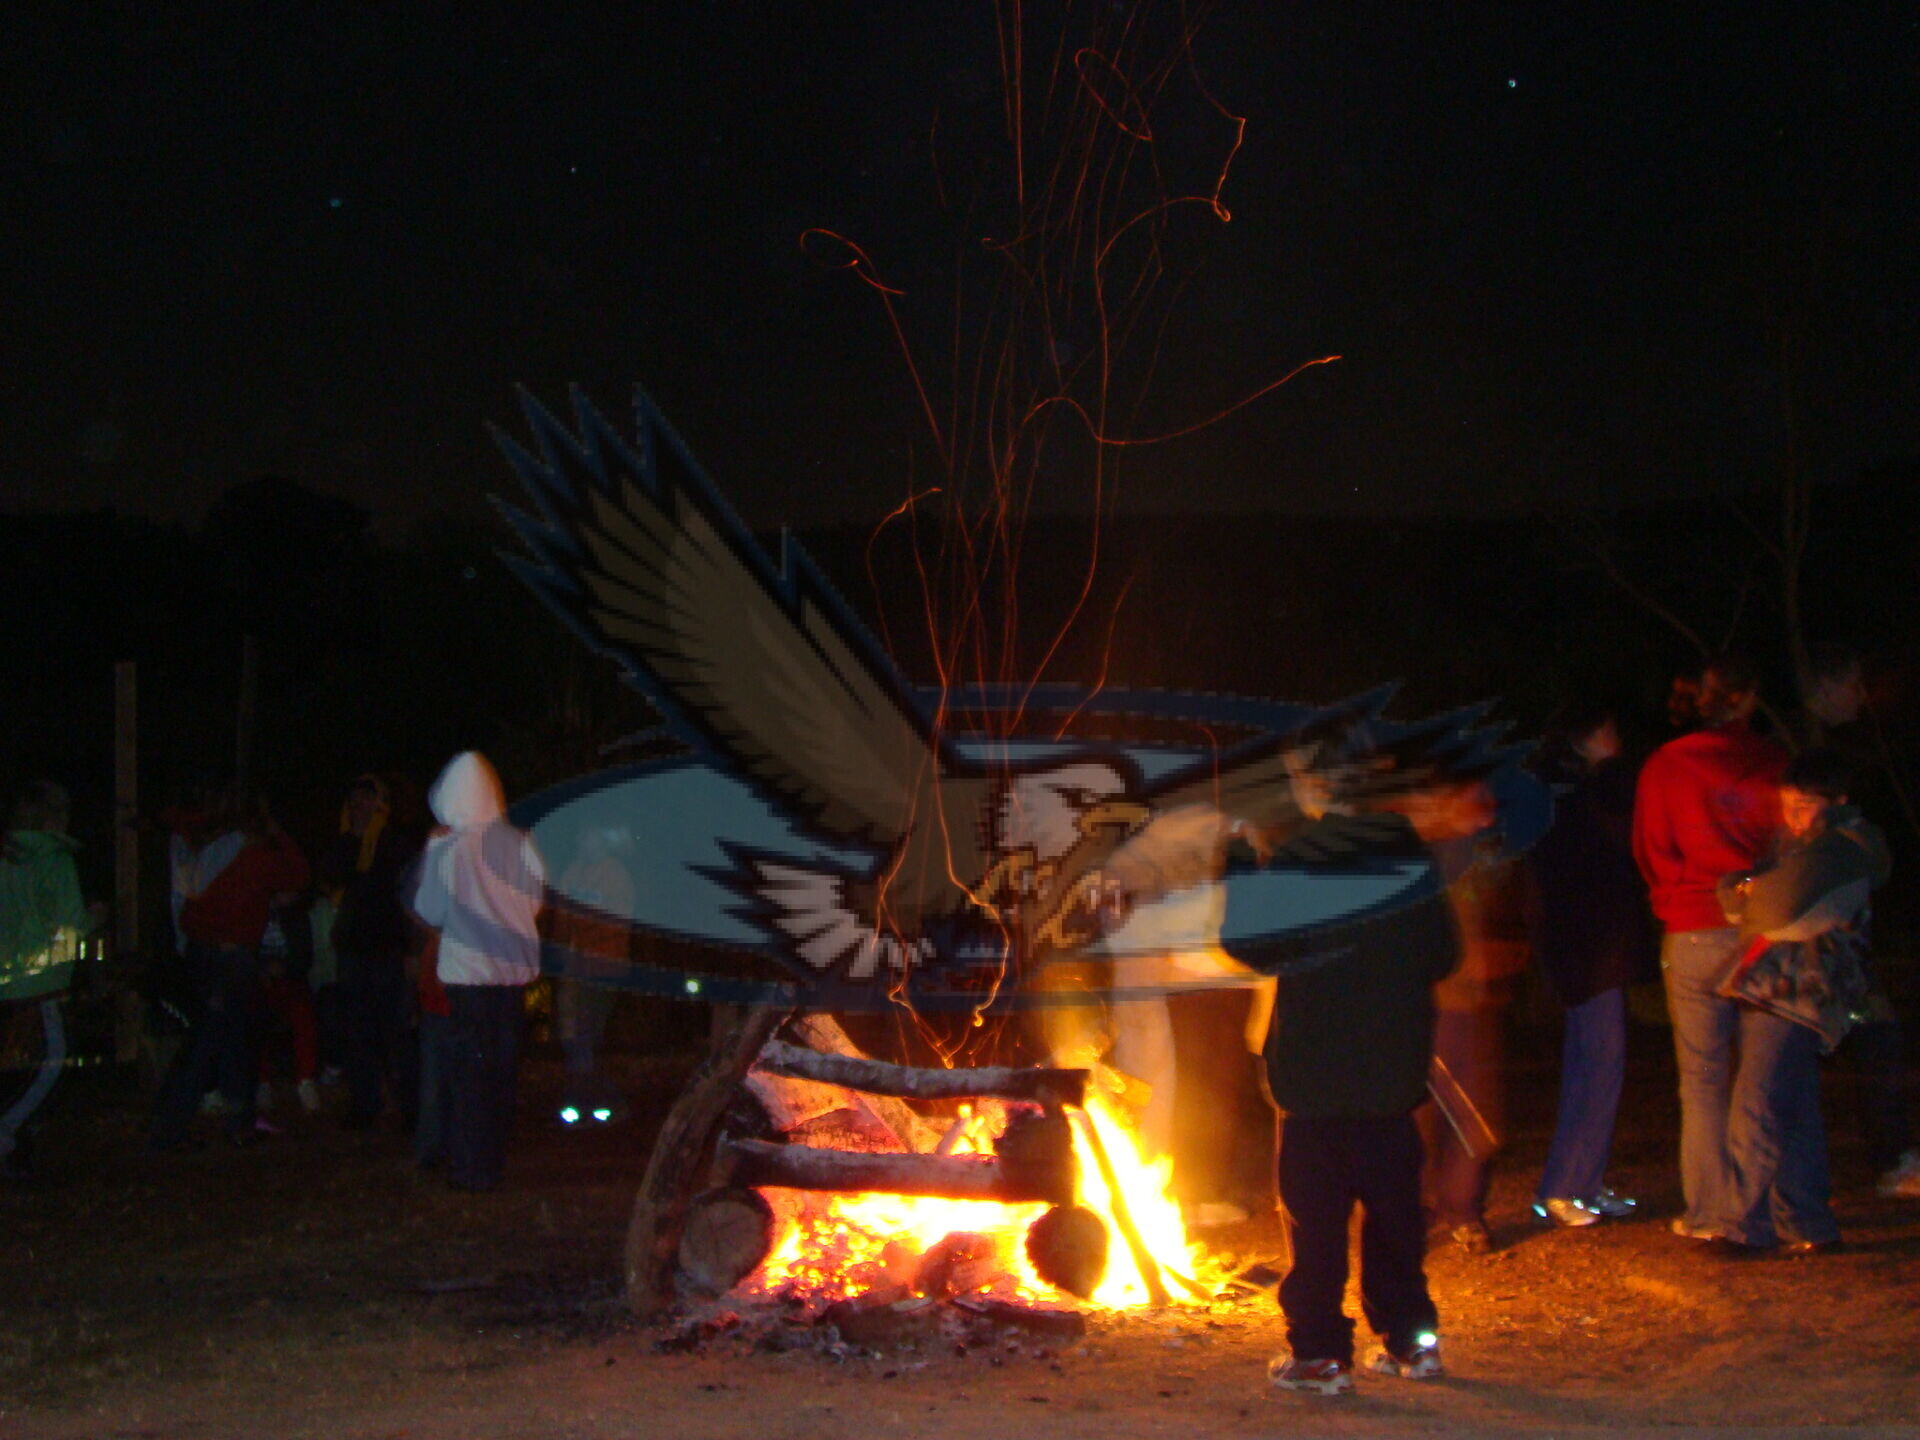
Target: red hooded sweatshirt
[1708, 805]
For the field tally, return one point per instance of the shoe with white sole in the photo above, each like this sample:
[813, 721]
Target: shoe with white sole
[1687, 1231]
[1318, 1377]
[1611, 1206]
[1566, 1211]
[1420, 1363]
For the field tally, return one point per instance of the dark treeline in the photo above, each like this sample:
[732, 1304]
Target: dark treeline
[391, 655]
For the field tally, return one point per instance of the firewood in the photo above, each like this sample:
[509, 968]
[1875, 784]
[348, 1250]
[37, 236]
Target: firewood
[1068, 1248]
[954, 1177]
[1036, 1149]
[728, 1233]
[878, 1077]
[826, 1034]
[679, 1159]
[958, 1265]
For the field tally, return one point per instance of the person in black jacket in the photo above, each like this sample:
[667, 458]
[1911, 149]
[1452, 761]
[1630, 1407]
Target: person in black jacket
[1592, 939]
[371, 938]
[1347, 1061]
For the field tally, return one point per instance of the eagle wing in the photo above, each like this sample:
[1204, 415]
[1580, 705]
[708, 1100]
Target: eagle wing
[639, 554]
[1283, 783]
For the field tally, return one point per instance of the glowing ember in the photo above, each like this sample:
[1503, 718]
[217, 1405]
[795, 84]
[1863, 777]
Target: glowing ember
[850, 1244]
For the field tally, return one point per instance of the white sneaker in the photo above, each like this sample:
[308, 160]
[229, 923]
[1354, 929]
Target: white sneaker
[1903, 1179]
[1422, 1364]
[263, 1096]
[1321, 1377]
[1565, 1210]
[309, 1097]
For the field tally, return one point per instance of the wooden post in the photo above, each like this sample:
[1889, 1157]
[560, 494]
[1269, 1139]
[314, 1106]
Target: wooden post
[243, 717]
[126, 809]
[128, 1020]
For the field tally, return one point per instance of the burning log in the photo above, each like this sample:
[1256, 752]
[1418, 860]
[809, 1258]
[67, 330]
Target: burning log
[1068, 1248]
[877, 1077]
[959, 1265]
[679, 1156]
[825, 1034]
[728, 1233]
[953, 1177]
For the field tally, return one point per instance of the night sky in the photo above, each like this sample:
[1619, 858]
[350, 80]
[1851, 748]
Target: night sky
[1563, 249]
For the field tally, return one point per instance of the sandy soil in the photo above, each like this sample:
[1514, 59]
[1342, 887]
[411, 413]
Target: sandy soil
[320, 1286]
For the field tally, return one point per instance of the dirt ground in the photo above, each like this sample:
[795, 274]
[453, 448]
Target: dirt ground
[318, 1285]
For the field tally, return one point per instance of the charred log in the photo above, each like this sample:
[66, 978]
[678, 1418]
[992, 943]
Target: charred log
[1068, 1248]
[1036, 1149]
[953, 1177]
[877, 1077]
[958, 1265]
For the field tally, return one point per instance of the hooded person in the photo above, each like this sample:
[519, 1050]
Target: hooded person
[480, 887]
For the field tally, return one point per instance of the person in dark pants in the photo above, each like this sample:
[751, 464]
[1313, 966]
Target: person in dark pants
[1591, 937]
[480, 886]
[371, 937]
[1347, 1057]
[223, 924]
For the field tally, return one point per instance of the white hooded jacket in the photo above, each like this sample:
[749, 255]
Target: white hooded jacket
[481, 881]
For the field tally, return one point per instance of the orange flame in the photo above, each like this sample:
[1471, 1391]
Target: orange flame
[851, 1244]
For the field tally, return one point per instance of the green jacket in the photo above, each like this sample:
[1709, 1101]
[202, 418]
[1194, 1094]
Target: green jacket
[42, 917]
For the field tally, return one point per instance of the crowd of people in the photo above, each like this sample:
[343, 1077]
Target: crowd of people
[396, 964]
[394, 967]
[1746, 851]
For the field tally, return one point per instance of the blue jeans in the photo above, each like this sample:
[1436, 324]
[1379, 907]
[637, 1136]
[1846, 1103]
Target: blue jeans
[1693, 962]
[1776, 1139]
[1593, 1061]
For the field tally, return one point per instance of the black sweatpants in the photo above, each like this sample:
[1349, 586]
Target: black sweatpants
[483, 1052]
[1327, 1164]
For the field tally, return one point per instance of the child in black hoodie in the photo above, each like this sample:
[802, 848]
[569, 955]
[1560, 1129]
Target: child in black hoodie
[1347, 1060]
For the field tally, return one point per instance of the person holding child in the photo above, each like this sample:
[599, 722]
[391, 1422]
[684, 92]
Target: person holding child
[1707, 804]
[1800, 981]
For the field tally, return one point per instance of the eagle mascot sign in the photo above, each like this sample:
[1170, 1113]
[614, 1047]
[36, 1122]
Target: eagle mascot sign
[821, 837]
